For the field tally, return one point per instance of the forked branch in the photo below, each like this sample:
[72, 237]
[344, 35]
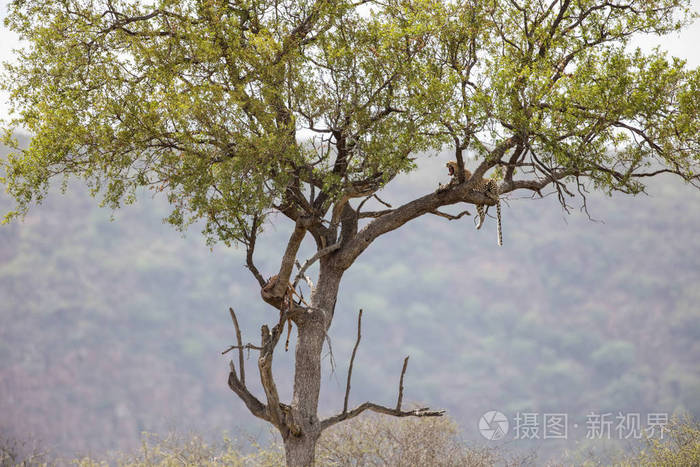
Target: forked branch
[237, 384]
[256, 407]
[420, 412]
[396, 412]
[274, 411]
[319, 254]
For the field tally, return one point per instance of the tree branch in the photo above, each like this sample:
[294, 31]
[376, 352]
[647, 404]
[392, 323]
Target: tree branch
[319, 254]
[362, 203]
[307, 279]
[250, 249]
[237, 385]
[241, 366]
[396, 412]
[397, 217]
[495, 156]
[536, 185]
[256, 407]
[421, 412]
[290, 255]
[352, 361]
[245, 347]
[403, 372]
[374, 214]
[269, 341]
[450, 216]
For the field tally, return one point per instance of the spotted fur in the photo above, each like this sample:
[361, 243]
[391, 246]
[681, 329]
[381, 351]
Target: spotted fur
[489, 188]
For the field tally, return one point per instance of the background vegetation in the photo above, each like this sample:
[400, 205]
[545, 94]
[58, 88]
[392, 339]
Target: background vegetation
[115, 328]
[374, 440]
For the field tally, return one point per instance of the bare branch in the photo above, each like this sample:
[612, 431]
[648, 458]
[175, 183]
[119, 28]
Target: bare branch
[256, 407]
[374, 195]
[237, 385]
[352, 361]
[450, 216]
[306, 278]
[246, 347]
[396, 412]
[421, 412]
[403, 372]
[241, 366]
[269, 341]
[319, 254]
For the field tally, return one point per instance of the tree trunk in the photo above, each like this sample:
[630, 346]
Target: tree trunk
[300, 450]
[300, 445]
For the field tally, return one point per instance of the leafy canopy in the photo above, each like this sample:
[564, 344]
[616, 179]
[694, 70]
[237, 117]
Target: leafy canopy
[237, 108]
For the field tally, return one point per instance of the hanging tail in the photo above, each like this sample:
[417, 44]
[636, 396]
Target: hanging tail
[498, 223]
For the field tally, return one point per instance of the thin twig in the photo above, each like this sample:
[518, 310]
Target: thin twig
[381, 201]
[245, 347]
[330, 351]
[396, 412]
[352, 361]
[450, 216]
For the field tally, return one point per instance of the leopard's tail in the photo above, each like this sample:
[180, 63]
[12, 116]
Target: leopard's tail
[498, 223]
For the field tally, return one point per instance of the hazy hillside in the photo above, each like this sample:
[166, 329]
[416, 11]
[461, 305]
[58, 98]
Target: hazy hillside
[113, 328]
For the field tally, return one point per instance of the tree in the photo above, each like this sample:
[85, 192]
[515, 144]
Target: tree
[241, 109]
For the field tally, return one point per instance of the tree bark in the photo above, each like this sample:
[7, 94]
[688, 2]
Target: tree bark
[300, 444]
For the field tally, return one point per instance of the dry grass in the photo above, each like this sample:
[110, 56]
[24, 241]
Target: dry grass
[369, 440]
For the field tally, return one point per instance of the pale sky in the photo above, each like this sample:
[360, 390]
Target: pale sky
[684, 45]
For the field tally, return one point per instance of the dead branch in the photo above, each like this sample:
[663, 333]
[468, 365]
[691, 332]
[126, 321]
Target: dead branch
[403, 372]
[421, 412]
[269, 341]
[245, 347]
[241, 366]
[396, 412]
[256, 407]
[319, 254]
[273, 411]
[450, 216]
[352, 361]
